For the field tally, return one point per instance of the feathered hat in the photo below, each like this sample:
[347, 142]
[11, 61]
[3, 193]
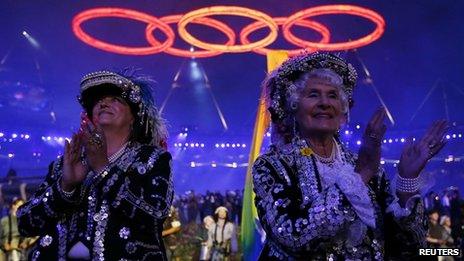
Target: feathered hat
[137, 91]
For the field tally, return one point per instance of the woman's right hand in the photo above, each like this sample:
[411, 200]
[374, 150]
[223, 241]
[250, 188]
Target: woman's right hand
[369, 154]
[74, 170]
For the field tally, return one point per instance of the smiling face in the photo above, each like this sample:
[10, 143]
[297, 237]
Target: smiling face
[113, 111]
[320, 108]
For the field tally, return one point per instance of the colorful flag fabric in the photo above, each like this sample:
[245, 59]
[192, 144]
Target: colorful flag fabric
[252, 235]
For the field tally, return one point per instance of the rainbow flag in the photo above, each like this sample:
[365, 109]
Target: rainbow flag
[251, 232]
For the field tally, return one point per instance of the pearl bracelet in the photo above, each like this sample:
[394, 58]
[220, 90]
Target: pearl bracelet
[407, 185]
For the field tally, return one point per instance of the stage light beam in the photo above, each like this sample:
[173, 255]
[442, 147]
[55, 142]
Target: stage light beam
[31, 40]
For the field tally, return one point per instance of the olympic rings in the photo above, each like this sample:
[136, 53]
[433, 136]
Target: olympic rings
[197, 54]
[200, 17]
[228, 10]
[320, 28]
[335, 9]
[122, 13]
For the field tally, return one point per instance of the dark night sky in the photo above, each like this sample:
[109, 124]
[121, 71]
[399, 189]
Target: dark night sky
[422, 43]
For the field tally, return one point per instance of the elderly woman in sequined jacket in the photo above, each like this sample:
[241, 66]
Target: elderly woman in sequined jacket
[107, 197]
[317, 200]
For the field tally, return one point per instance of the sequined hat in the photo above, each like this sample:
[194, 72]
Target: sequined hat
[281, 81]
[135, 90]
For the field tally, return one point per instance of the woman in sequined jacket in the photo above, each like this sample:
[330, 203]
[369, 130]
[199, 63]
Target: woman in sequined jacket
[107, 197]
[317, 200]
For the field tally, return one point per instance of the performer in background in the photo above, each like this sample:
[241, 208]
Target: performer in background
[107, 197]
[170, 233]
[435, 230]
[12, 242]
[222, 237]
[205, 251]
[446, 237]
[317, 200]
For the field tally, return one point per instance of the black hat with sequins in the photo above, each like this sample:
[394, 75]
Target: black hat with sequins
[136, 91]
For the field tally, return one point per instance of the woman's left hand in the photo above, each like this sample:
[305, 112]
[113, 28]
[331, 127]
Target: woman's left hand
[95, 146]
[416, 154]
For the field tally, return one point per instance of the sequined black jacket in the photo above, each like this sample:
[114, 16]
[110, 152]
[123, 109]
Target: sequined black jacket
[117, 215]
[304, 221]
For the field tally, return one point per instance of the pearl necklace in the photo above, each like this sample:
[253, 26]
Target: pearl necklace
[118, 153]
[328, 160]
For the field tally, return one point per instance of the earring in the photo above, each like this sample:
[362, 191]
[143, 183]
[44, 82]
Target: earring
[295, 131]
[337, 134]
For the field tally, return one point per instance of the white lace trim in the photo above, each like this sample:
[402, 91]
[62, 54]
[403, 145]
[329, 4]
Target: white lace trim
[350, 183]
[399, 211]
[426, 181]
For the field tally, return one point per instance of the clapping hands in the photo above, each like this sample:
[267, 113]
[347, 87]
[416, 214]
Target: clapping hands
[90, 139]
[416, 154]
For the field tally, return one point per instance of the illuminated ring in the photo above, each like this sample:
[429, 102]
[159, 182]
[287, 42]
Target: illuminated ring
[335, 9]
[122, 13]
[318, 27]
[227, 10]
[185, 53]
